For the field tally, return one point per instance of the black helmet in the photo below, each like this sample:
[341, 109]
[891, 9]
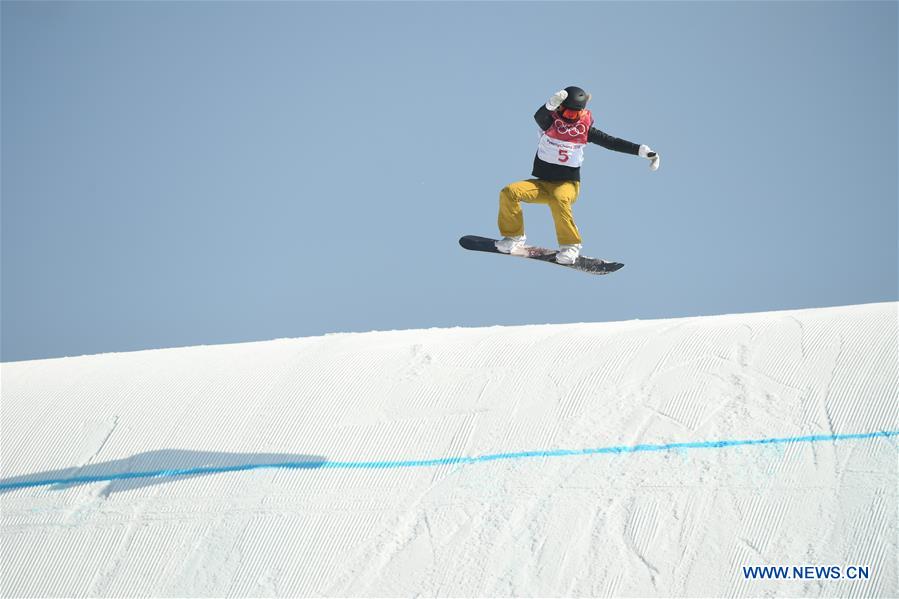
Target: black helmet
[577, 98]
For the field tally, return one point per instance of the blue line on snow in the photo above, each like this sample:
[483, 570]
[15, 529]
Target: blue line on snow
[380, 465]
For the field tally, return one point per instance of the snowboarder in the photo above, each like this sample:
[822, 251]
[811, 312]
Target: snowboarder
[567, 126]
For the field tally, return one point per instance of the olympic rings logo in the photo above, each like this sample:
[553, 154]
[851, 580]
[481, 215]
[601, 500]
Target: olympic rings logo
[572, 130]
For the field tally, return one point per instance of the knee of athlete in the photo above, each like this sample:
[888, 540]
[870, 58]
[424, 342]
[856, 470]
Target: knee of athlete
[507, 193]
[567, 194]
[564, 199]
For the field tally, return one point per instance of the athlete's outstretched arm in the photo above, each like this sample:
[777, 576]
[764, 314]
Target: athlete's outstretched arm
[609, 142]
[622, 145]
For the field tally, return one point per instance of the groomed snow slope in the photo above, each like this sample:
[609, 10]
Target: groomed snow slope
[351, 516]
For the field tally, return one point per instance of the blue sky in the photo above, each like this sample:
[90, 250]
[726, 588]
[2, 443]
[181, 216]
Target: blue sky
[210, 172]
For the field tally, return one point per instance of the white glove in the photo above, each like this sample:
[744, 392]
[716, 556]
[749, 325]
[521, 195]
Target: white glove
[556, 100]
[646, 152]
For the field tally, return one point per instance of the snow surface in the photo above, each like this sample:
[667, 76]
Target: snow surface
[350, 518]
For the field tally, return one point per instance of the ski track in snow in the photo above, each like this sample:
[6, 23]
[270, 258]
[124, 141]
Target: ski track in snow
[679, 517]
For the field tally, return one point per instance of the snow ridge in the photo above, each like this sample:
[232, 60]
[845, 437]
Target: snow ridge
[431, 462]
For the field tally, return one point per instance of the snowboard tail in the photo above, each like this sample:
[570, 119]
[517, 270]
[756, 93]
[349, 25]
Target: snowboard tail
[594, 266]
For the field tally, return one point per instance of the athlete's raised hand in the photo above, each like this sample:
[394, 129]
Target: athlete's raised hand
[556, 100]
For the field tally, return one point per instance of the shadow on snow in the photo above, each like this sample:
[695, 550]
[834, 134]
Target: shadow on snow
[157, 467]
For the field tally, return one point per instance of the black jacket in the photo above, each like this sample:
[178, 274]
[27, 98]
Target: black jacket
[557, 172]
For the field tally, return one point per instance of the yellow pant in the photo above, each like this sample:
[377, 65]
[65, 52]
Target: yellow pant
[559, 195]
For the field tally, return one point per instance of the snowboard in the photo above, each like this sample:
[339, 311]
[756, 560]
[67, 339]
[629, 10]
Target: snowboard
[593, 266]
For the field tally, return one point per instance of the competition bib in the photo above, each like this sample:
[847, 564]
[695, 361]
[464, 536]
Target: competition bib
[563, 143]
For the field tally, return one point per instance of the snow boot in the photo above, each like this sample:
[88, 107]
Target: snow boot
[507, 245]
[568, 253]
